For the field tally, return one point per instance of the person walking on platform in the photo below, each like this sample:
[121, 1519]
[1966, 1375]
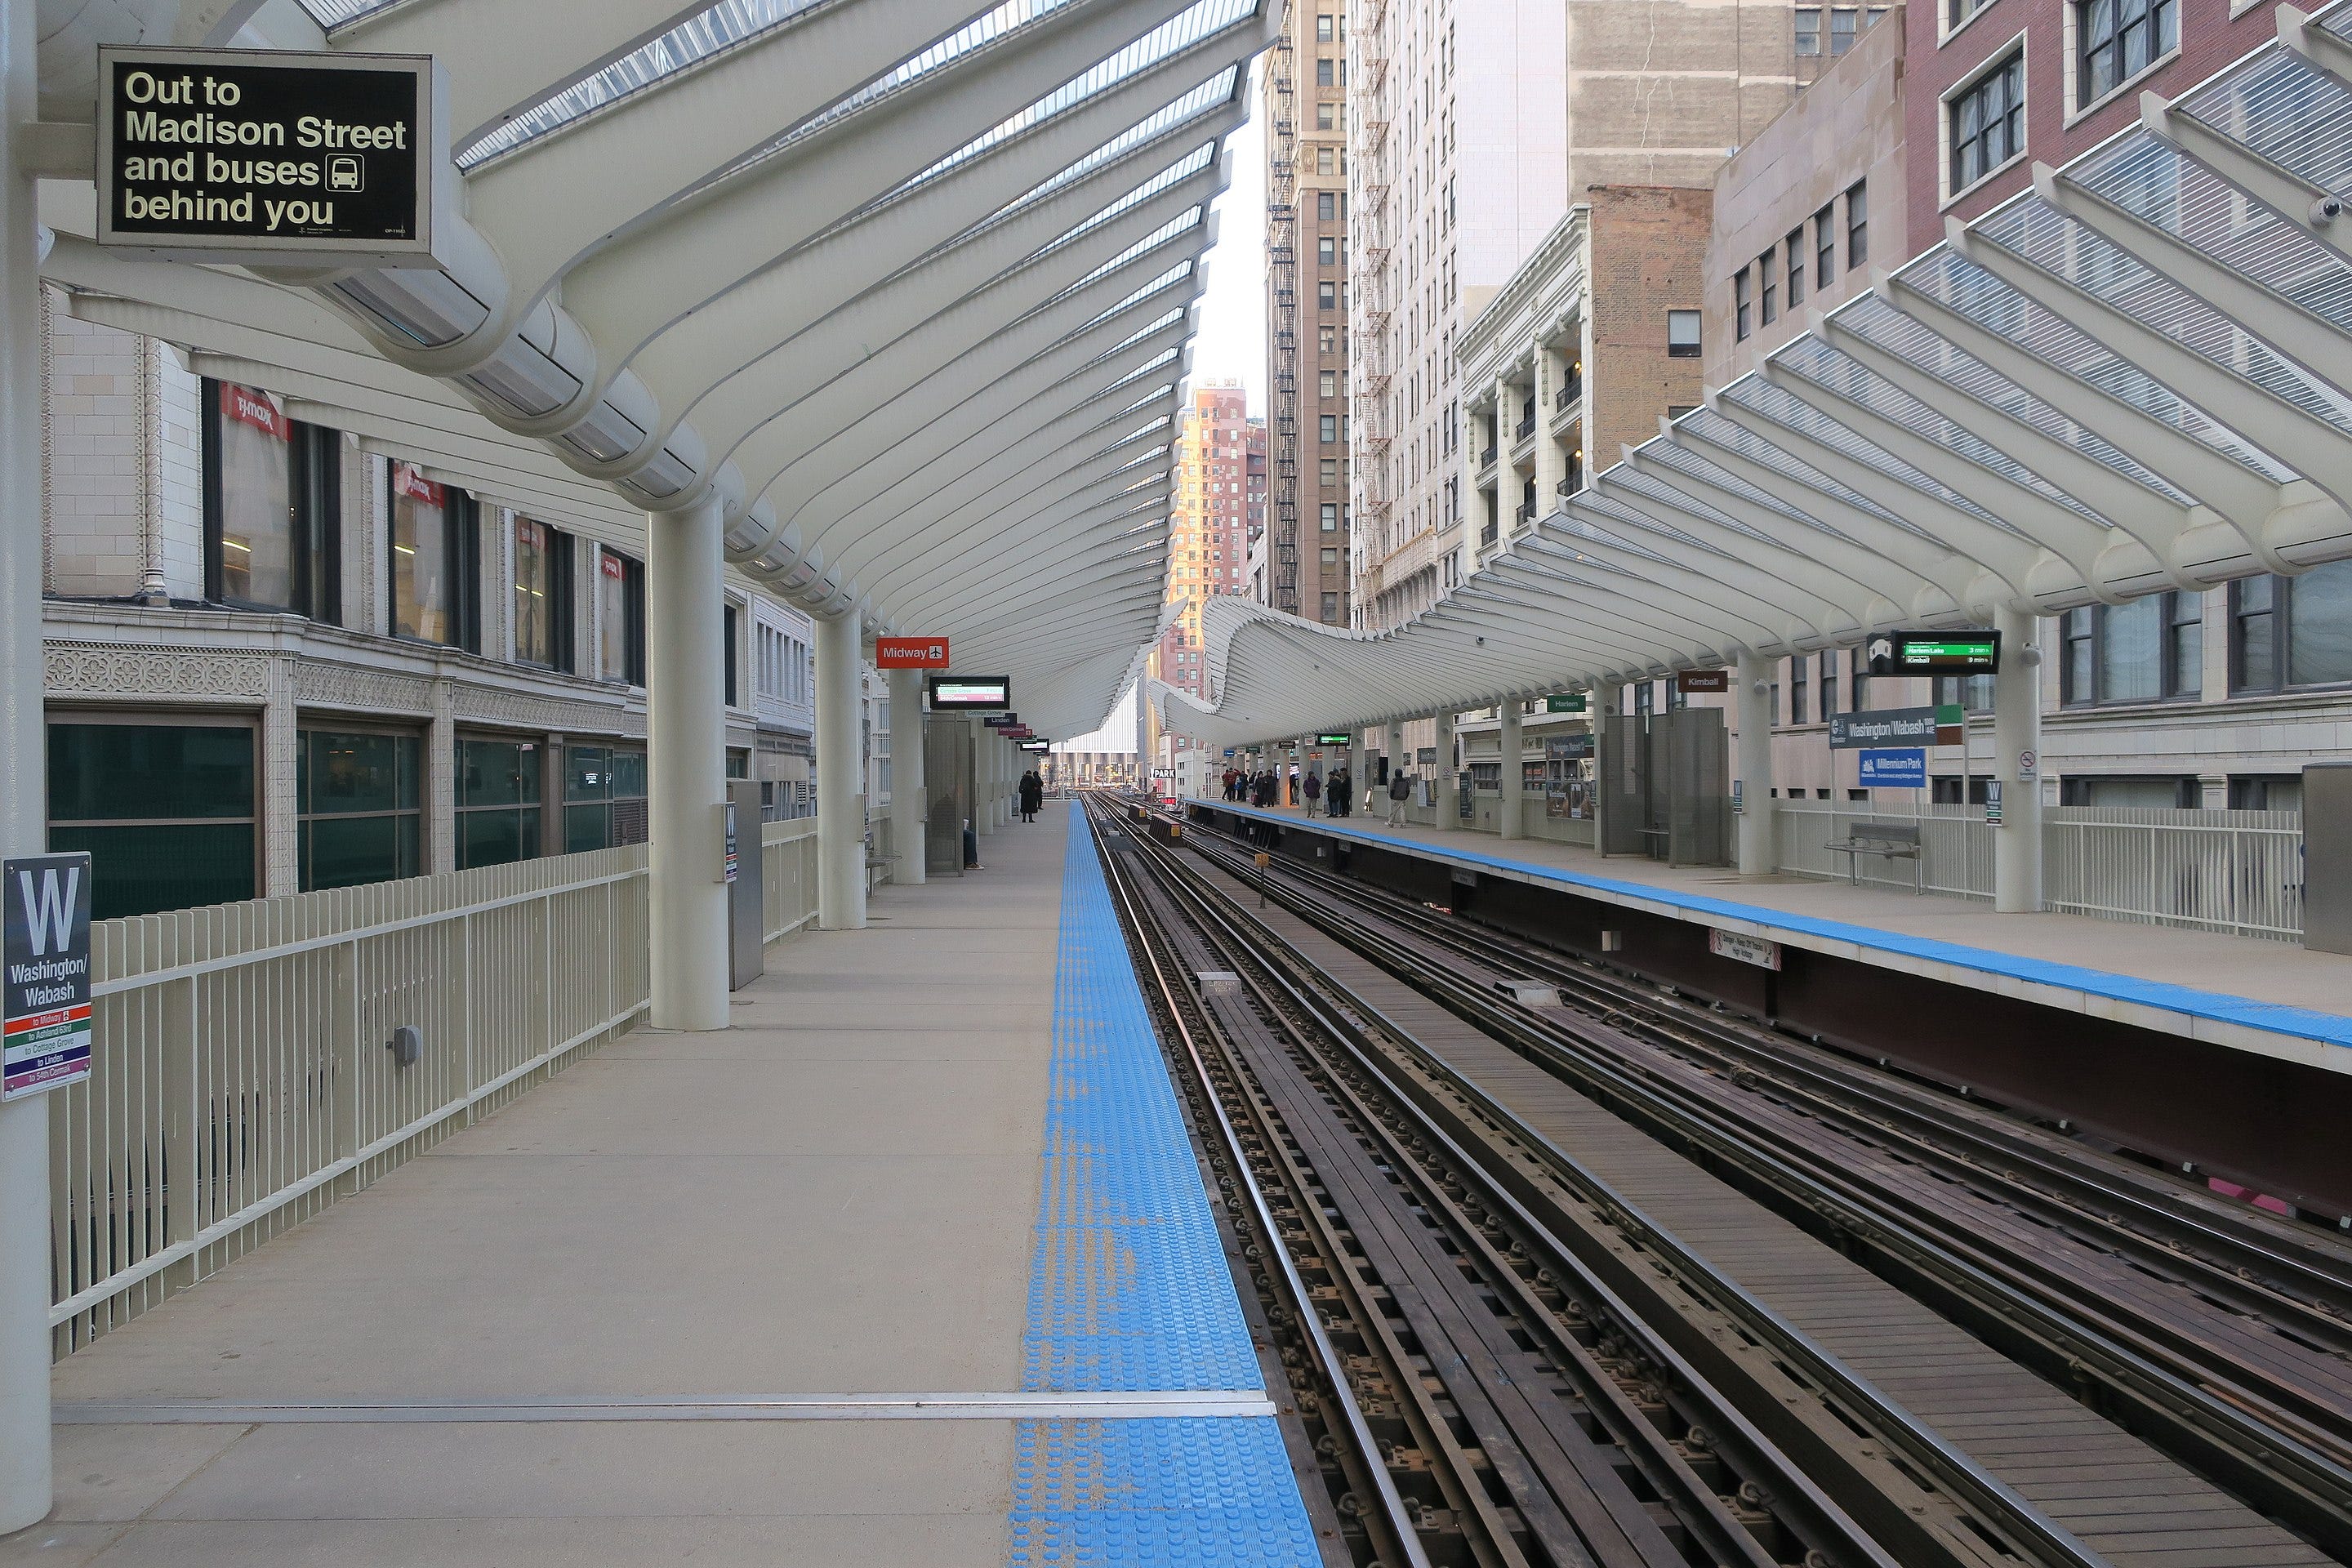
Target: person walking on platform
[1313, 786]
[1033, 796]
[1399, 791]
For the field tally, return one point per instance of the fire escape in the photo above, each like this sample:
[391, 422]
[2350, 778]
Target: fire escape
[1368, 327]
[1282, 277]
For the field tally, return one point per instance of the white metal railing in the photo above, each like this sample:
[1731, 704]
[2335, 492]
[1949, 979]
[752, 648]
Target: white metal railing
[2237, 872]
[240, 1080]
[1954, 845]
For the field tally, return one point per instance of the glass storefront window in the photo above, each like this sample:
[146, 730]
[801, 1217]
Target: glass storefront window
[2319, 627]
[543, 594]
[432, 559]
[361, 807]
[272, 496]
[166, 811]
[620, 618]
[604, 798]
[499, 809]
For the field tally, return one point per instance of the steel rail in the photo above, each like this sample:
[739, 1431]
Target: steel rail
[1996, 1508]
[2239, 1435]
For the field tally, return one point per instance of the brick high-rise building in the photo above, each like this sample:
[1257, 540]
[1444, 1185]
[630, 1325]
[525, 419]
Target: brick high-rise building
[1306, 105]
[1473, 127]
[1219, 482]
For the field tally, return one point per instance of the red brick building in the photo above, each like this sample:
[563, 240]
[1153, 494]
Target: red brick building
[1993, 86]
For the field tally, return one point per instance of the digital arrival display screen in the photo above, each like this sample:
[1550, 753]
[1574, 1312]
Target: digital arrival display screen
[968, 693]
[238, 154]
[1966, 652]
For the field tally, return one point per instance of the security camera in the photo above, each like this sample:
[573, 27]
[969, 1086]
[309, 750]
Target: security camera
[2326, 210]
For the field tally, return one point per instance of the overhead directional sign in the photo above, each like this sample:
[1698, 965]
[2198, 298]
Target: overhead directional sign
[1689, 680]
[1934, 653]
[263, 155]
[910, 653]
[968, 693]
[1884, 727]
[45, 965]
[1333, 740]
[1570, 703]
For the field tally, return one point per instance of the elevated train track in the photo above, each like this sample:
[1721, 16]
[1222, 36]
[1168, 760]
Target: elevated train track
[1825, 1291]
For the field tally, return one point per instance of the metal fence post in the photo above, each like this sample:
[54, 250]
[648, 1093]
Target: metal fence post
[344, 1070]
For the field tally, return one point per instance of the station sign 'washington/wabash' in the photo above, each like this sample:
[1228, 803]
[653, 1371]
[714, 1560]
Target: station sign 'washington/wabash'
[249, 155]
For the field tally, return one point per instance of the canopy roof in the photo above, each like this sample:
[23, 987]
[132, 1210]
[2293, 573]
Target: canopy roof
[909, 285]
[2136, 377]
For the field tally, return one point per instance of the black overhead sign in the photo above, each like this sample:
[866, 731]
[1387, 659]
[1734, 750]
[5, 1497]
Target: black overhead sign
[262, 155]
[1933, 653]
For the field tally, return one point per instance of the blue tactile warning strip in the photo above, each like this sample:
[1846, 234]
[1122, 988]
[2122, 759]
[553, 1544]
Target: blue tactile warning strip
[2244, 1012]
[1128, 1291]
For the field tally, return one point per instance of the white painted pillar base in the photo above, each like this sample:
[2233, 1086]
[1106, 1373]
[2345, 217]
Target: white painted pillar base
[1758, 823]
[2017, 734]
[25, 1482]
[1449, 779]
[1510, 811]
[840, 802]
[910, 791]
[685, 767]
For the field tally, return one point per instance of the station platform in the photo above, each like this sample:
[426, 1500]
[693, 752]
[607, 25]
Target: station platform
[913, 1264]
[2270, 998]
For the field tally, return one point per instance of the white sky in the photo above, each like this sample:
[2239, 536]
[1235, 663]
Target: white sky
[1231, 345]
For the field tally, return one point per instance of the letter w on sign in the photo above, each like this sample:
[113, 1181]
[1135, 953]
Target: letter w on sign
[49, 913]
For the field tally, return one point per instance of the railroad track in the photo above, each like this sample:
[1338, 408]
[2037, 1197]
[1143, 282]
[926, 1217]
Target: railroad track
[2218, 1334]
[1503, 1360]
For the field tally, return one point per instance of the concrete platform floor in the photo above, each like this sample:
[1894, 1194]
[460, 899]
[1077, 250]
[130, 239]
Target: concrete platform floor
[2273, 972]
[825, 1199]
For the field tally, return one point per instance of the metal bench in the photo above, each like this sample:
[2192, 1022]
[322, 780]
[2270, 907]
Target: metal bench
[1891, 840]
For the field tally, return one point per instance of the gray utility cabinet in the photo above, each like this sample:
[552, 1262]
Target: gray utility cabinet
[747, 912]
[2327, 857]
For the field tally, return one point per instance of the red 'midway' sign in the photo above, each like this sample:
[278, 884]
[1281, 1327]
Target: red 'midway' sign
[910, 653]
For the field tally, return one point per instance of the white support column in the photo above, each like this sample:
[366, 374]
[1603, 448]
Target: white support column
[2017, 758]
[1356, 780]
[25, 1482]
[685, 767]
[910, 791]
[1510, 821]
[1449, 778]
[1758, 808]
[1394, 742]
[840, 802]
[1551, 458]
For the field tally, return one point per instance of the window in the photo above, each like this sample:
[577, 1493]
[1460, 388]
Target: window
[2117, 39]
[360, 807]
[1857, 225]
[1330, 517]
[1969, 693]
[1326, 340]
[1326, 295]
[2265, 792]
[728, 617]
[273, 497]
[1857, 697]
[2292, 632]
[1796, 254]
[435, 560]
[1674, 411]
[1329, 470]
[1327, 71]
[1739, 305]
[1825, 247]
[1327, 252]
[1327, 427]
[2161, 791]
[1988, 128]
[1947, 790]
[543, 594]
[497, 801]
[1330, 559]
[1328, 382]
[620, 618]
[1682, 334]
[1768, 286]
[1330, 608]
[1327, 160]
[1324, 24]
[604, 798]
[1958, 11]
[1828, 681]
[1841, 28]
[1797, 705]
[166, 811]
[1327, 207]
[1809, 31]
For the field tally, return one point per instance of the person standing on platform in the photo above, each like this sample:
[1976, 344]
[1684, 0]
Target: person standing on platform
[1338, 792]
[1033, 796]
[1399, 791]
[1313, 787]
